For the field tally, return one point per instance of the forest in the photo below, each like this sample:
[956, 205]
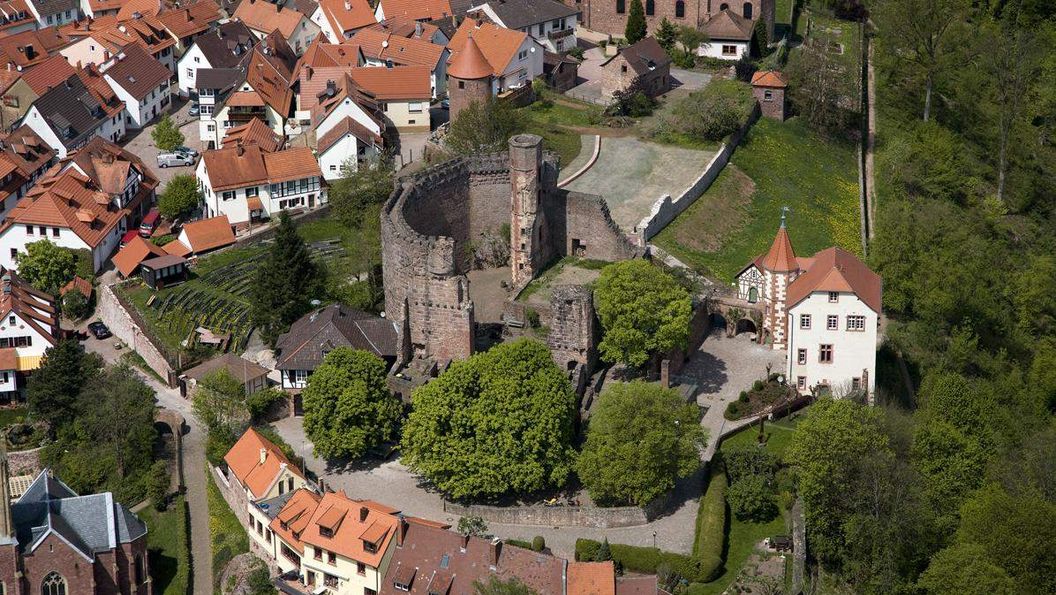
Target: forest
[949, 486]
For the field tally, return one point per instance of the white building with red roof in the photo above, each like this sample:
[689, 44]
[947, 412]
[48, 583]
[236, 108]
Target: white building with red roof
[29, 325]
[824, 310]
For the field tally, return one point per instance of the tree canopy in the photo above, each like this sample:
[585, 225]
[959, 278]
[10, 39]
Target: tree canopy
[360, 186]
[348, 408]
[166, 135]
[498, 423]
[180, 197]
[47, 266]
[53, 390]
[285, 283]
[635, 30]
[643, 311]
[641, 439]
[484, 127]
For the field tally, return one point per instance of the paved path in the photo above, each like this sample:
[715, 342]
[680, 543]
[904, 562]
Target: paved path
[193, 467]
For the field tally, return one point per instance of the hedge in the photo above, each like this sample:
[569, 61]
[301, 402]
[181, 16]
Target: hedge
[711, 522]
[646, 559]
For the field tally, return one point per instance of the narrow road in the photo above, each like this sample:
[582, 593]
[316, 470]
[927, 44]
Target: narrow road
[194, 467]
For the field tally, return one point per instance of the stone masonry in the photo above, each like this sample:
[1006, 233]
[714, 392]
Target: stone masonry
[574, 335]
[605, 16]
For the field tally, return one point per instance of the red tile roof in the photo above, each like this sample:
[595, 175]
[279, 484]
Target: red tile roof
[235, 167]
[137, 72]
[399, 82]
[416, 10]
[347, 126]
[48, 74]
[322, 54]
[30, 47]
[256, 132]
[769, 78]
[352, 524]
[244, 461]
[292, 164]
[402, 27]
[383, 45]
[498, 44]
[266, 17]
[781, 258]
[270, 71]
[835, 269]
[206, 234]
[191, 19]
[128, 259]
[470, 63]
[591, 578]
[346, 16]
[294, 518]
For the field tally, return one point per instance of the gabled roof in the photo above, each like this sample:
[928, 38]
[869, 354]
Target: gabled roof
[294, 517]
[207, 234]
[336, 325]
[383, 45]
[255, 132]
[346, 126]
[240, 368]
[346, 16]
[128, 259]
[131, 8]
[81, 286]
[416, 10]
[728, 25]
[246, 165]
[396, 83]
[34, 307]
[244, 461]
[517, 14]
[349, 523]
[769, 78]
[403, 27]
[27, 150]
[644, 56]
[227, 45]
[291, 164]
[323, 54]
[137, 72]
[835, 269]
[30, 47]
[591, 578]
[72, 110]
[266, 17]
[47, 74]
[270, 71]
[12, 9]
[499, 45]
[190, 19]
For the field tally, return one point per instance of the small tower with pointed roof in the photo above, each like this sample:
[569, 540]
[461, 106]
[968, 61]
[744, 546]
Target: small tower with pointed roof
[767, 278]
[469, 78]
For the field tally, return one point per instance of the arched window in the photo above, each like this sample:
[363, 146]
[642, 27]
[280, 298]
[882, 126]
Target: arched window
[53, 584]
[680, 9]
[621, 6]
[723, 6]
[650, 7]
[753, 295]
[748, 10]
[138, 564]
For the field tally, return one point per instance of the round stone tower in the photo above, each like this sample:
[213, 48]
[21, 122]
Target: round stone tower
[469, 78]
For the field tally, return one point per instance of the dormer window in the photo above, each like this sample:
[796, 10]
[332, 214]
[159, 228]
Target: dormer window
[326, 532]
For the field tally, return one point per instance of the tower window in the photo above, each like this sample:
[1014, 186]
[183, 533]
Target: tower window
[680, 9]
[747, 11]
[650, 7]
[621, 6]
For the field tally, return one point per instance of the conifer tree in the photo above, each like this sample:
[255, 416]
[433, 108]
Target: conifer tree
[636, 28]
[286, 283]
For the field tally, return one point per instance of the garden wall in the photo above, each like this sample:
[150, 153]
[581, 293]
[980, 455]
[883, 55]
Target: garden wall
[666, 208]
[25, 462]
[563, 516]
[126, 324]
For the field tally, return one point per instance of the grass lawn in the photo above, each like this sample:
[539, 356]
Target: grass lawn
[779, 164]
[227, 536]
[12, 415]
[551, 272]
[843, 32]
[554, 118]
[778, 436]
[170, 565]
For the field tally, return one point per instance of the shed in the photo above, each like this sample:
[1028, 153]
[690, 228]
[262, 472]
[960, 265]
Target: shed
[164, 271]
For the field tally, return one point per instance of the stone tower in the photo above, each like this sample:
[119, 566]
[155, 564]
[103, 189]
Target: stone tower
[779, 268]
[469, 78]
[573, 331]
[526, 225]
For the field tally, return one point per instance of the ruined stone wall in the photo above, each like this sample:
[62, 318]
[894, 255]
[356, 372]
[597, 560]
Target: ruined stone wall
[573, 328]
[586, 229]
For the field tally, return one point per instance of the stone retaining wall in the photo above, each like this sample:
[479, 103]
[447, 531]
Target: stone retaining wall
[563, 516]
[125, 324]
[666, 208]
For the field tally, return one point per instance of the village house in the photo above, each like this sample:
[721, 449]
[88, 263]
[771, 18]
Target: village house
[54, 12]
[822, 310]
[201, 237]
[56, 542]
[424, 30]
[264, 17]
[29, 325]
[768, 88]
[20, 51]
[401, 92]
[74, 111]
[256, 132]
[513, 58]
[290, 515]
[252, 376]
[301, 349]
[97, 41]
[86, 203]
[644, 64]
[551, 23]
[334, 96]
[24, 158]
[255, 471]
[186, 22]
[729, 36]
[141, 82]
[331, 60]
[133, 254]
[212, 87]
[413, 10]
[384, 48]
[246, 183]
[27, 85]
[16, 17]
[347, 143]
[560, 71]
[339, 20]
[223, 47]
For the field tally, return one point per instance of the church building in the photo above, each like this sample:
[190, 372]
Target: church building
[822, 310]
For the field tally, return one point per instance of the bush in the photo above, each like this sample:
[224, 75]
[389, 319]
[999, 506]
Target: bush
[733, 411]
[576, 52]
[711, 524]
[744, 68]
[538, 543]
[519, 543]
[260, 402]
[746, 461]
[744, 397]
[162, 240]
[714, 112]
[75, 306]
[158, 483]
[750, 500]
[645, 560]
[757, 385]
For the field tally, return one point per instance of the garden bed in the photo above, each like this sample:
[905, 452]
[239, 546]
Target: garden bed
[762, 396]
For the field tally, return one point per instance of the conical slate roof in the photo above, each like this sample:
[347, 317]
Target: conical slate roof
[470, 63]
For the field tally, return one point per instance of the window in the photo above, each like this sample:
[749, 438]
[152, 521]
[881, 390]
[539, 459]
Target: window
[729, 50]
[621, 6]
[623, 68]
[832, 322]
[834, 296]
[53, 584]
[801, 382]
[539, 29]
[361, 569]
[318, 553]
[415, 107]
[331, 558]
[29, 230]
[252, 191]
[856, 384]
[804, 321]
[856, 322]
[228, 195]
[14, 253]
[11, 320]
[300, 375]
[333, 167]
[747, 10]
[461, 84]
[206, 109]
[650, 7]
[825, 354]
[522, 54]
[801, 356]
[768, 95]
[196, 60]
[369, 591]
[680, 9]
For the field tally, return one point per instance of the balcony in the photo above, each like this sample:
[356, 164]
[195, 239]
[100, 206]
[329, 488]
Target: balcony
[559, 35]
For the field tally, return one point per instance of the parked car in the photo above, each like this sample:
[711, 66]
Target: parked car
[185, 151]
[445, 103]
[99, 330]
[177, 159]
[125, 239]
[149, 223]
[194, 110]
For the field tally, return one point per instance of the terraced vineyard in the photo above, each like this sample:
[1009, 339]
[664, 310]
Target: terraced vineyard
[217, 295]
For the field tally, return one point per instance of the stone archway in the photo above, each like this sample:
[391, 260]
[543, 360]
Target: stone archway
[174, 423]
[745, 325]
[737, 316]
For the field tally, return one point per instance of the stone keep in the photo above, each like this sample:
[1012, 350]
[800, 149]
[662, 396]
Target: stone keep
[526, 221]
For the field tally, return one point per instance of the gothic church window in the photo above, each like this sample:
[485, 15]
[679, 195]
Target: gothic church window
[53, 584]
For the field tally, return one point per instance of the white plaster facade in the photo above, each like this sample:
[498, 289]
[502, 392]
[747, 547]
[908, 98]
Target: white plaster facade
[140, 111]
[844, 326]
[307, 192]
[348, 109]
[334, 157]
[112, 129]
[723, 50]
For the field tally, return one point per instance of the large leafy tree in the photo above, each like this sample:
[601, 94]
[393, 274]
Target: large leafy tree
[826, 451]
[965, 569]
[360, 186]
[641, 439]
[47, 266]
[166, 135]
[180, 197]
[219, 403]
[498, 423]
[484, 127]
[635, 30]
[53, 389]
[286, 283]
[643, 311]
[348, 408]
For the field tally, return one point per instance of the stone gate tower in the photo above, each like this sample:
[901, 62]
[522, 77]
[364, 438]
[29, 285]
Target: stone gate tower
[526, 219]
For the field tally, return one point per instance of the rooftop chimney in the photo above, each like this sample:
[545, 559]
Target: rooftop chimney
[465, 543]
[241, 151]
[363, 512]
[401, 529]
[494, 549]
[348, 5]
[263, 455]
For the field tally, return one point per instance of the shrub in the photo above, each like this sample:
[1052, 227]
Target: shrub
[519, 543]
[260, 402]
[714, 112]
[757, 385]
[744, 397]
[646, 560]
[538, 543]
[750, 500]
[744, 68]
[576, 52]
[75, 306]
[711, 525]
[532, 318]
[733, 411]
[158, 484]
[746, 461]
